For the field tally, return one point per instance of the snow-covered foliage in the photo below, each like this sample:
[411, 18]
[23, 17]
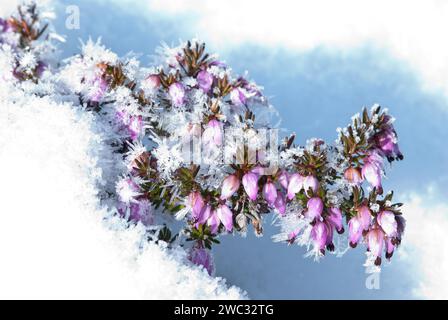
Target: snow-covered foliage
[186, 138]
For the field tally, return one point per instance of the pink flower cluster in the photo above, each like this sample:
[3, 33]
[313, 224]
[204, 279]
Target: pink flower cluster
[317, 190]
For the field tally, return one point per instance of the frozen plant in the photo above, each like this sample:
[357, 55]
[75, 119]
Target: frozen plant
[193, 146]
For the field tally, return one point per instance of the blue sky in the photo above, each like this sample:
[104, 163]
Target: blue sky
[316, 87]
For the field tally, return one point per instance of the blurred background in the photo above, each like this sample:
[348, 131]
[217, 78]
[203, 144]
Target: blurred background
[320, 62]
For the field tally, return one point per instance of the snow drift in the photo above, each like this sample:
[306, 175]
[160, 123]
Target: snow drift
[53, 243]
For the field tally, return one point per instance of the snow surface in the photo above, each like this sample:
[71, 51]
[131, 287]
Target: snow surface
[53, 243]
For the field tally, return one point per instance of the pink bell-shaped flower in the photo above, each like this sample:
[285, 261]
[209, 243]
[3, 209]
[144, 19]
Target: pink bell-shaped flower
[230, 185]
[353, 175]
[250, 184]
[390, 248]
[283, 179]
[375, 242]
[213, 222]
[365, 217]
[196, 202]
[372, 173]
[315, 207]
[280, 203]
[386, 220]
[335, 219]
[319, 234]
[310, 182]
[295, 185]
[225, 215]
[270, 193]
[204, 215]
[354, 231]
[152, 82]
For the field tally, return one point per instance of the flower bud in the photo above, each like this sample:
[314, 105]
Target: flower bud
[270, 193]
[250, 184]
[230, 185]
[152, 82]
[280, 203]
[372, 173]
[375, 241]
[315, 207]
[310, 182]
[283, 179]
[295, 185]
[386, 220]
[213, 222]
[365, 217]
[196, 203]
[225, 215]
[319, 235]
[335, 218]
[354, 231]
[353, 175]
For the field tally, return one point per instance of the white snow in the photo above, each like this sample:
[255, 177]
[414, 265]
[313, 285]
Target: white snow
[53, 243]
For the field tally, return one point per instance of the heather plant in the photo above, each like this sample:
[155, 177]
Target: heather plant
[197, 143]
